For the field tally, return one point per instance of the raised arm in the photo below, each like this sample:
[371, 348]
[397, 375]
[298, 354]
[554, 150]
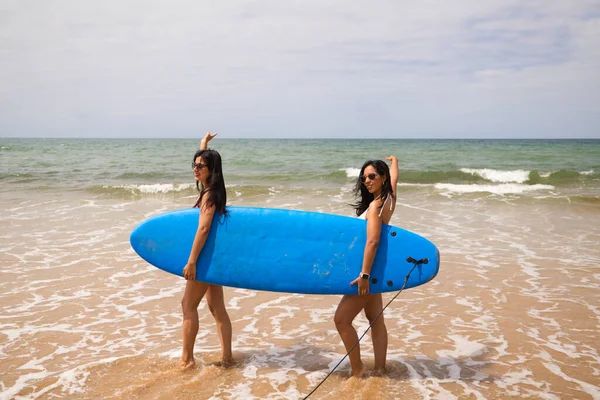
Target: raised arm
[207, 138]
[393, 172]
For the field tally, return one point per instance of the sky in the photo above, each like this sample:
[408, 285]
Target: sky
[300, 69]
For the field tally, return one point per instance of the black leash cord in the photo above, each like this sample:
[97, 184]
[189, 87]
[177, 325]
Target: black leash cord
[371, 324]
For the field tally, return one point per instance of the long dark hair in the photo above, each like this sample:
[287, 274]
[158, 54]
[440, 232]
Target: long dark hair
[362, 195]
[217, 195]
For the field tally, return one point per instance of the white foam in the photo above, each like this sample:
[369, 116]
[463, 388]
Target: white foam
[464, 348]
[509, 380]
[487, 264]
[154, 188]
[245, 294]
[585, 386]
[21, 383]
[467, 303]
[502, 189]
[499, 176]
[416, 184]
[351, 172]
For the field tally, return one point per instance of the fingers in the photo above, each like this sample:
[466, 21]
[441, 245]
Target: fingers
[209, 136]
[354, 282]
[189, 276]
[363, 287]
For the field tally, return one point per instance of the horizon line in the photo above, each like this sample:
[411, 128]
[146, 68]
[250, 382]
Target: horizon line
[301, 138]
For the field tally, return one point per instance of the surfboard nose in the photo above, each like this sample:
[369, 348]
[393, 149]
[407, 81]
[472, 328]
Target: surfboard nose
[136, 239]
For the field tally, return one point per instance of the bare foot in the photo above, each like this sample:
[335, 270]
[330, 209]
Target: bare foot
[361, 371]
[227, 363]
[379, 372]
[224, 363]
[187, 365]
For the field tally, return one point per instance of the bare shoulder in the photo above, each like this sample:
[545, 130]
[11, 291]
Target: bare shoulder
[205, 206]
[376, 202]
[374, 207]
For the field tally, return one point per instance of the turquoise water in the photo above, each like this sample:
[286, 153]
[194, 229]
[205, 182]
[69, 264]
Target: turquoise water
[146, 167]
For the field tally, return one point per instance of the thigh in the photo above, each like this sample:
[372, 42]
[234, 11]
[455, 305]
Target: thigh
[374, 306]
[215, 297]
[349, 307]
[194, 291]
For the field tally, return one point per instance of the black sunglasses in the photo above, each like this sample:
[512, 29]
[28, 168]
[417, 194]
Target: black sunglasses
[371, 177]
[199, 165]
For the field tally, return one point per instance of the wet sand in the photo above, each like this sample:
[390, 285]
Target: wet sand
[515, 310]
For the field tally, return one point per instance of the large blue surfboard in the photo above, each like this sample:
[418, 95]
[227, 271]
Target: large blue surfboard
[285, 251]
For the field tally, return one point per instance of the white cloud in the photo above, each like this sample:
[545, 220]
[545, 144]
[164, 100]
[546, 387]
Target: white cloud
[313, 69]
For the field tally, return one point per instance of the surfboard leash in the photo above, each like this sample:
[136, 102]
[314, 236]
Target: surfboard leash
[410, 260]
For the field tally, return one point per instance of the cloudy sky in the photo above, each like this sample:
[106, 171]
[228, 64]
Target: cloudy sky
[313, 68]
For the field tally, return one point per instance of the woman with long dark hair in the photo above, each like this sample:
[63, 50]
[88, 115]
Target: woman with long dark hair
[211, 201]
[375, 192]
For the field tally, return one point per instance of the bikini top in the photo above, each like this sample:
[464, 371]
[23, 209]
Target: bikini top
[364, 214]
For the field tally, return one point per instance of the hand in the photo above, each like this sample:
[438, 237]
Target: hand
[208, 137]
[392, 159]
[363, 285]
[189, 272]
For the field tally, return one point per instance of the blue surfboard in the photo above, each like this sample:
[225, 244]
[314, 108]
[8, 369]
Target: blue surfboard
[285, 251]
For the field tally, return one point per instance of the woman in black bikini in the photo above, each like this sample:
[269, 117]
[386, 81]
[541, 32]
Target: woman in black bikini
[375, 192]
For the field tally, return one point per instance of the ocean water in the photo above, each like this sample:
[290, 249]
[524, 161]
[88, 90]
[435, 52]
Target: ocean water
[514, 311]
[136, 167]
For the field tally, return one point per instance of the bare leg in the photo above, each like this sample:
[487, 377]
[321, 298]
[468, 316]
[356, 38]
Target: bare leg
[216, 305]
[347, 310]
[194, 291]
[378, 331]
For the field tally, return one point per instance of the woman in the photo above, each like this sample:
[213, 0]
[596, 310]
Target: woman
[212, 200]
[376, 196]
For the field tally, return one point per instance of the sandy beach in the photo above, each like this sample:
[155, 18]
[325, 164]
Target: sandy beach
[513, 312]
